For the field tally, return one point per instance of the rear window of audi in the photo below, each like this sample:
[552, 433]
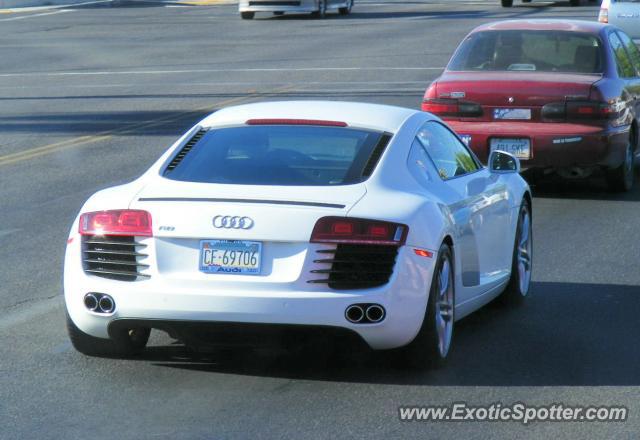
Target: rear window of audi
[279, 155]
[533, 51]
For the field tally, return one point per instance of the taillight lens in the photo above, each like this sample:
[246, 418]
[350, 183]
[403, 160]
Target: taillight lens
[603, 16]
[591, 110]
[452, 107]
[358, 231]
[116, 222]
[580, 110]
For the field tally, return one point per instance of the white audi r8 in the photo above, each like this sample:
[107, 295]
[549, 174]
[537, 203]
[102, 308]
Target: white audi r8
[365, 221]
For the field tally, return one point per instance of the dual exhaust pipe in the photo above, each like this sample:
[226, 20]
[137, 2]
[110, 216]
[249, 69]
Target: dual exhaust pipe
[365, 313]
[99, 303]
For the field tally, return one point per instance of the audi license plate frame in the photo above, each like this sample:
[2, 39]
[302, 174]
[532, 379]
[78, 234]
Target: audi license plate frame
[233, 257]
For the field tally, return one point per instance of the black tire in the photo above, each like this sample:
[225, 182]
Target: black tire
[247, 15]
[322, 9]
[518, 287]
[506, 3]
[621, 179]
[129, 343]
[574, 2]
[346, 10]
[424, 351]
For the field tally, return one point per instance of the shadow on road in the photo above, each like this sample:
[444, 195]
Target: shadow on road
[594, 188]
[565, 334]
[126, 123]
[152, 120]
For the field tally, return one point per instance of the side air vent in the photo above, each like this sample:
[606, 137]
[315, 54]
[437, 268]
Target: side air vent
[357, 266]
[113, 257]
[185, 150]
[376, 154]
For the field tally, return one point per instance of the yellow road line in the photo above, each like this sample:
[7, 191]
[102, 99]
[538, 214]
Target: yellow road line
[108, 134]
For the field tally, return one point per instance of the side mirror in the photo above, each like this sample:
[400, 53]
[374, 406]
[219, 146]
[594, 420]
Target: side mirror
[503, 162]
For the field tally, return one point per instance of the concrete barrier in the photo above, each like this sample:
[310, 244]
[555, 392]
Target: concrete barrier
[6, 4]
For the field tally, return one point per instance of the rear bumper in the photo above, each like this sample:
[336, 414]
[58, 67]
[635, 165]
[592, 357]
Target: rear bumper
[552, 145]
[204, 334]
[161, 300]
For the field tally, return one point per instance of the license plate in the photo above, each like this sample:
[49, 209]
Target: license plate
[512, 113]
[520, 148]
[230, 256]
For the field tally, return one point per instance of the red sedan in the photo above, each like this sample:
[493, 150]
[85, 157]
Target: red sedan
[562, 96]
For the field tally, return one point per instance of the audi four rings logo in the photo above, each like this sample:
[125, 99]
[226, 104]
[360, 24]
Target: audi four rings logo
[232, 222]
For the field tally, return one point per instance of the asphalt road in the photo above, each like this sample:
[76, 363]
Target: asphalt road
[90, 96]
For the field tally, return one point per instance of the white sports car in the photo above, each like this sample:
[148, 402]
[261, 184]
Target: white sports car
[361, 220]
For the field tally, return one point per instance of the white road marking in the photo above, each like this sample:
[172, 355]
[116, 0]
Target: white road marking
[44, 8]
[219, 84]
[9, 231]
[247, 70]
[23, 17]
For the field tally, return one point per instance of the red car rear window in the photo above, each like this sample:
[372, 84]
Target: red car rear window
[540, 51]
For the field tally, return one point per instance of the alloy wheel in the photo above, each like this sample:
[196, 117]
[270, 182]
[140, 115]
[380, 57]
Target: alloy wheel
[444, 307]
[524, 252]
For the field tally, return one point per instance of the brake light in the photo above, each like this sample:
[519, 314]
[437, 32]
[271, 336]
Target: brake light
[358, 231]
[281, 121]
[126, 222]
[603, 16]
[580, 110]
[451, 107]
[591, 110]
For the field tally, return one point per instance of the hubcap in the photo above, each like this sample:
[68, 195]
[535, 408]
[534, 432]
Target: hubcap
[444, 308]
[524, 252]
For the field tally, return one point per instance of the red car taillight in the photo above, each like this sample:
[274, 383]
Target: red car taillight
[127, 222]
[451, 107]
[593, 110]
[358, 231]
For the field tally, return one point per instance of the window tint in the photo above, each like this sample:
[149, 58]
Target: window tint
[418, 162]
[449, 155]
[279, 155]
[632, 50]
[623, 63]
[546, 51]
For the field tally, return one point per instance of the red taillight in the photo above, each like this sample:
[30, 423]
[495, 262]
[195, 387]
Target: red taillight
[440, 106]
[358, 231]
[451, 107]
[281, 121]
[116, 222]
[591, 110]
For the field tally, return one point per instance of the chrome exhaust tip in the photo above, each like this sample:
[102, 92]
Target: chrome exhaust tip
[91, 302]
[106, 304]
[375, 313]
[354, 314]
